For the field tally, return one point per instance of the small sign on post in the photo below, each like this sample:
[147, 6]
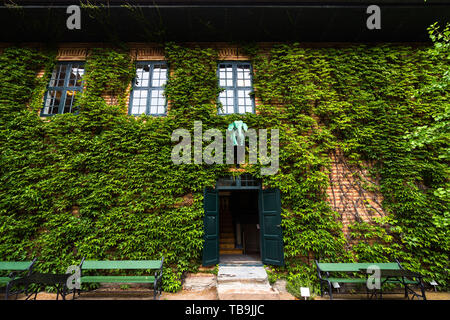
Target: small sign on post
[434, 284]
[336, 285]
[304, 292]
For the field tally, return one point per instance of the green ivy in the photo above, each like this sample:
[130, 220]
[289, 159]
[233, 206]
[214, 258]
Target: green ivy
[363, 100]
[134, 203]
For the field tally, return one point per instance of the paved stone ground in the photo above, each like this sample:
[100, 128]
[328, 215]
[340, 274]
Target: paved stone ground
[244, 282]
[210, 294]
[203, 286]
[431, 295]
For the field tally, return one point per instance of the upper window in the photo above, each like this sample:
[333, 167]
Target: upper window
[66, 81]
[148, 88]
[236, 78]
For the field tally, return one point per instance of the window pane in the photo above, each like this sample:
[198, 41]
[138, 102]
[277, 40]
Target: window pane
[226, 75]
[226, 181]
[142, 76]
[244, 101]
[243, 75]
[227, 99]
[157, 102]
[139, 102]
[159, 75]
[76, 75]
[58, 76]
[68, 104]
[52, 102]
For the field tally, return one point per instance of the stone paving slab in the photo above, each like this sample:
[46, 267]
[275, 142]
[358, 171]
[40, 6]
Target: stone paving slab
[240, 259]
[199, 282]
[241, 274]
[240, 282]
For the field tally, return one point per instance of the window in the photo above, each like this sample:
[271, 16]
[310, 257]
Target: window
[236, 78]
[148, 88]
[66, 81]
[245, 181]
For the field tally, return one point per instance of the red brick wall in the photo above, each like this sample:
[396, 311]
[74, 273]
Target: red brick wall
[352, 192]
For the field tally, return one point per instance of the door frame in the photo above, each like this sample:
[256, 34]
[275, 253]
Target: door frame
[238, 186]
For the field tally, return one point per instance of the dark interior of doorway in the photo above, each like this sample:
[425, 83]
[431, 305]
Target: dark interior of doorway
[239, 226]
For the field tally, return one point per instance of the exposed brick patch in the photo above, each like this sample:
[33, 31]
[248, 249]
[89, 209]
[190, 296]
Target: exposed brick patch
[352, 192]
[187, 200]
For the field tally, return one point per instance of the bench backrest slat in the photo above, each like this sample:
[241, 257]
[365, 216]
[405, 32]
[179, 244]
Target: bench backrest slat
[15, 265]
[336, 267]
[121, 264]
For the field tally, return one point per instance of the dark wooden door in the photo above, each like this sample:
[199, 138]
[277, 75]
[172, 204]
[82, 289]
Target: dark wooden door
[211, 227]
[270, 223]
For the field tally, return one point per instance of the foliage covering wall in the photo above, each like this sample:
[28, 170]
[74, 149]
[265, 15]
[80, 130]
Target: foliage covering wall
[135, 204]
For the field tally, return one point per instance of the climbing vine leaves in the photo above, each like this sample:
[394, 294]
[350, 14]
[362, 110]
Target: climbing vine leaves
[101, 183]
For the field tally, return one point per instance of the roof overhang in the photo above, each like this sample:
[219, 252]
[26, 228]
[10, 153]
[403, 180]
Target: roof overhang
[224, 21]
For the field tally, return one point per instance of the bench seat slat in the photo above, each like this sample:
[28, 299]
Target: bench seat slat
[348, 267]
[15, 265]
[118, 279]
[4, 280]
[361, 280]
[348, 280]
[121, 264]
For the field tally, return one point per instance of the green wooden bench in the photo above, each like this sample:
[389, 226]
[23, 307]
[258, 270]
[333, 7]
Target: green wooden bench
[156, 279]
[14, 268]
[327, 275]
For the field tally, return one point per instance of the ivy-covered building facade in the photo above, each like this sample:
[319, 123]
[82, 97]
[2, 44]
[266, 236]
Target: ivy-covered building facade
[88, 119]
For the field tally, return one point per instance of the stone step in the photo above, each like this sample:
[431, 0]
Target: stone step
[199, 282]
[237, 282]
[231, 251]
[226, 240]
[227, 235]
[226, 245]
[249, 292]
[239, 260]
[242, 274]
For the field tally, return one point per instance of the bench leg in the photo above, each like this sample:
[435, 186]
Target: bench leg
[157, 287]
[36, 292]
[75, 290]
[330, 292]
[78, 291]
[321, 288]
[8, 287]
[422, 289]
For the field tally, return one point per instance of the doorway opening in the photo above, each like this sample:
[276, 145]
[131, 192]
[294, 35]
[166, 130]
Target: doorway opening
[243, 221]
[239, 228]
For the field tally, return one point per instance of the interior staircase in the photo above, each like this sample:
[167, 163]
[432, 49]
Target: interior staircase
[227, 237]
